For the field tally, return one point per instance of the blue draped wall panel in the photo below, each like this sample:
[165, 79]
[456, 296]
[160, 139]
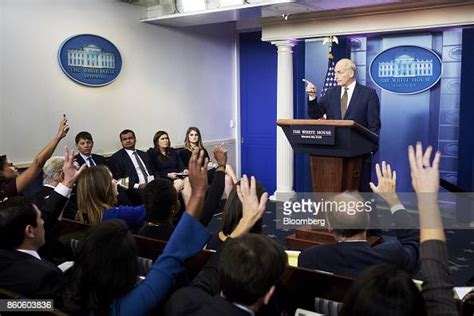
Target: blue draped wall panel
[466, 117]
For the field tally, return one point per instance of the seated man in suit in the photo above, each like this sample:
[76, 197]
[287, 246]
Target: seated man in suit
[348, 101]
[133, 164]
[240, 278]
[352, 253]
[52, 176]
[24, 229]
[85, 144]
[22, 269]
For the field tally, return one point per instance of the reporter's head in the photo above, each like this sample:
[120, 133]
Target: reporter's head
[249, 268]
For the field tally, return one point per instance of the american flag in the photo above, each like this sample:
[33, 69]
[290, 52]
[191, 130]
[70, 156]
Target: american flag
[330, 80]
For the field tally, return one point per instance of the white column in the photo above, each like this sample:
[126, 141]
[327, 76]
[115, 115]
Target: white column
[284, 110]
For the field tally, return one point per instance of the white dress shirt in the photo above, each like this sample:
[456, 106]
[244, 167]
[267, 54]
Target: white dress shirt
[141, 176]
[86, 159]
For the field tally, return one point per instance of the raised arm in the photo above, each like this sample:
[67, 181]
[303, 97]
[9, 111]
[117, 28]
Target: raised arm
[213, 197]
[387, 184]
[437, 288]
[29, 175]
[252, 211]
[187, 239]
[425, 181]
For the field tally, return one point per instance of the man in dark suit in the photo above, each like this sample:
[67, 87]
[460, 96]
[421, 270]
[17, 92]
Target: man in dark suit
[238, 280]
[133, 164]
[24, 229]
[352, 254]
[349, 101]
[85, 144]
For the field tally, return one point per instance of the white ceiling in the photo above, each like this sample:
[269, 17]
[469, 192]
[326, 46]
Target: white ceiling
[159, 12]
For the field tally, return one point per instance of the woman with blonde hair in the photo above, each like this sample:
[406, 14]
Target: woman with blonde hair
[96, 198]
[193, 140]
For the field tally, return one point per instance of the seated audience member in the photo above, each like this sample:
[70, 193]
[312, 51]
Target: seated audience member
[242, 275]
[12, 183]
[352, 253]
[21, 268]
[382, 290]
[133, 164]
[23, 230]
[103, 278]
[231, 217]
[193, 140]
[162, 205]
[166, 160]
[52, 176]
[85, 144]
[385, 290]
[96, 198]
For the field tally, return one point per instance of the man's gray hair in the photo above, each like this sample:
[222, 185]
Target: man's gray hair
[52, 170]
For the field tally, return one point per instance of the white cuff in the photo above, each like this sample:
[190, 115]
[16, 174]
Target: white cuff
[136, 185]
[396, 208]
[63, 190]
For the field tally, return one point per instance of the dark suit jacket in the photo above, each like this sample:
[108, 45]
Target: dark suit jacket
[351, 258]
[121, 166]
[26, 275]
[193, 301]
[43, 195]
[203, 297]
[364, 107]
[98, 159]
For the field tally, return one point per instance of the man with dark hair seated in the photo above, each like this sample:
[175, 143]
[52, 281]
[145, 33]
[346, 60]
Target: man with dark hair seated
[352, 253]
[133, 164]
[23, 233]
[85, 144]
[22, 270]
[241, 276]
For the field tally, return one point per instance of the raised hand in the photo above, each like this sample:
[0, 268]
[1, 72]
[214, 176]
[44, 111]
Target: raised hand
[424, 174]
[252, 207]
[198, 181]
[220, 154]
[386, 184]
[69, 170]
[63, 129]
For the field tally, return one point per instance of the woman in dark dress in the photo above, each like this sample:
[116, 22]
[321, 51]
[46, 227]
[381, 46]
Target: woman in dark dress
[167, 161]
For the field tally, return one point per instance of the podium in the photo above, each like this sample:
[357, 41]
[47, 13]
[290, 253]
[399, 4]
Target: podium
[337, 148]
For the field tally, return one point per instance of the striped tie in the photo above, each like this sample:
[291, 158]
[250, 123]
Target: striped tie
[344, 100]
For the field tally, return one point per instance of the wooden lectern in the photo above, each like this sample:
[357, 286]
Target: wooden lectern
[337, 148]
